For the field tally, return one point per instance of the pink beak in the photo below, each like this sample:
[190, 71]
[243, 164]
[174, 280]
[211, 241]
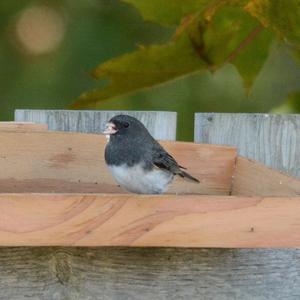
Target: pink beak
[110, 128]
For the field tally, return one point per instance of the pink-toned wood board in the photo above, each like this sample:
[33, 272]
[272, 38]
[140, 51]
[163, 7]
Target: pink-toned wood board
[146, 221]
[74, 162]
[22, 126]
[72, 209]
[254, 179]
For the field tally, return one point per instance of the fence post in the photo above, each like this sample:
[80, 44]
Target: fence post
[161, 124]
[275, 141]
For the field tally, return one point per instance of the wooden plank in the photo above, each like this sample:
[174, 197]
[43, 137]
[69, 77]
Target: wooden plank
[161, 124]
[149, 221]
[74, 273]
[22, 126]
[74, 162]
[147, 273]
[254, 179]
[274, 141]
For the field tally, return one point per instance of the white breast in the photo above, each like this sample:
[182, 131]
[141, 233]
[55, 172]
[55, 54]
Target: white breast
[138, 180]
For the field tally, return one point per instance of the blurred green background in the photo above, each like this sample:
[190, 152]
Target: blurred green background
[47, 49]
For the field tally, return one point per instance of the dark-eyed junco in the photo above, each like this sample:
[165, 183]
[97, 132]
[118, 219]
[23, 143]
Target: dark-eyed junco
[137, 161]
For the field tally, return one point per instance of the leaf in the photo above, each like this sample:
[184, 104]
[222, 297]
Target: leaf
[281, 15]
[144, 68]
[168, 12]
[205, 41]
[171, 12]
[234, 36]
[253, 57]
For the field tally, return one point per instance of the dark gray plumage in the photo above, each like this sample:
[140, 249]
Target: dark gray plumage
[137, 161]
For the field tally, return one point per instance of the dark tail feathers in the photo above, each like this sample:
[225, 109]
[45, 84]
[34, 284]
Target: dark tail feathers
[186, 175]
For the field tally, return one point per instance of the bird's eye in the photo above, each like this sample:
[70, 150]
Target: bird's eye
[126, 125]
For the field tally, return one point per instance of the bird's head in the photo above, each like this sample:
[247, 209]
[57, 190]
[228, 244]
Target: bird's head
[124, 125]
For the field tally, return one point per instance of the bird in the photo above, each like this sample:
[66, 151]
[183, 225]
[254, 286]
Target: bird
[138, 163]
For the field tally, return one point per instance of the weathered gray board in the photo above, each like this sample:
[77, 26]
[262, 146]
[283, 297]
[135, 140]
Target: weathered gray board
[136, 273]
[275, 141]
[161, 124]
[271, 139]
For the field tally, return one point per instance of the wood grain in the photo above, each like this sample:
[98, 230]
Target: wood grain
[22, 126]
[161, 124]
[148, 273]
[254, 179]
[74, 162]
[273, 140]
[149, 221]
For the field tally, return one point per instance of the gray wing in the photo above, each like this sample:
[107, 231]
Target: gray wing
[163, 160]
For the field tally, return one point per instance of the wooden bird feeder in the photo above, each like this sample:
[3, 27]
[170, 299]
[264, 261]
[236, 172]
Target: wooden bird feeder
[56, 191]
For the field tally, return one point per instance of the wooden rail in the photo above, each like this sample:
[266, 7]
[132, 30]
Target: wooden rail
[174, 273]
[161, 124]
[149, 221]
[255, 179]
[74, 162]
[22, 126]
[62, 162]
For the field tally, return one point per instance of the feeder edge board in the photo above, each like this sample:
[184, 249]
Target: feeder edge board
[149, 221]
[74, 162]
[22, 126]
[252, 178]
